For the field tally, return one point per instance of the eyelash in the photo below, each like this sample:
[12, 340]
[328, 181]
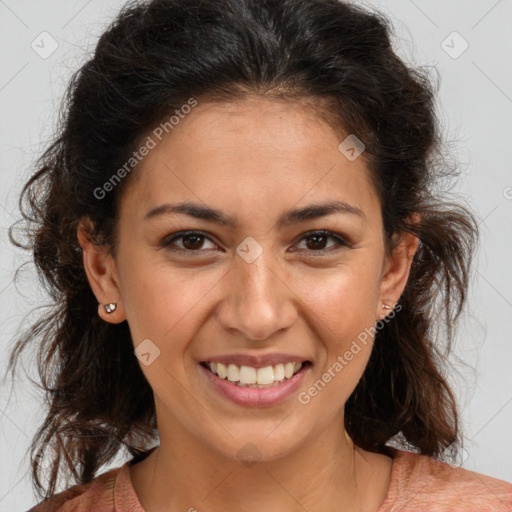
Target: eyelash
[167, 241]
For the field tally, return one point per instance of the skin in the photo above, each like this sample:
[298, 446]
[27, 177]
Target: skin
[253, 159]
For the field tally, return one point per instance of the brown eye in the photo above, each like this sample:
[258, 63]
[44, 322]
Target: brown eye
[193, 242]
[316, 241]
[189, 241]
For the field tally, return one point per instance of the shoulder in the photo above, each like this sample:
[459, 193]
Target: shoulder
[97, 495]
[422, 483]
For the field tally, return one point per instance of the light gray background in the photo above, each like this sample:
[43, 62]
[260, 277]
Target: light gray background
[475, 105]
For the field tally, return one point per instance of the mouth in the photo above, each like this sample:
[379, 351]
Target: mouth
[255, 377]
[252, 386]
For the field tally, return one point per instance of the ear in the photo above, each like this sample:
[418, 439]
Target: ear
[101, 273]
[396, 271]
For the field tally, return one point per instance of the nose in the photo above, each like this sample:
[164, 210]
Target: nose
[257, 302]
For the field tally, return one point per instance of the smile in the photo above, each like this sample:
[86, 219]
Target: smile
[255, 377]
[255, 387]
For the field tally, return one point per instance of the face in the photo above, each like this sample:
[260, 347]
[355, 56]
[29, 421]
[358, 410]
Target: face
[257, 283]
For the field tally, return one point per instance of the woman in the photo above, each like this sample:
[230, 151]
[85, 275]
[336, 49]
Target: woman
[241, 226]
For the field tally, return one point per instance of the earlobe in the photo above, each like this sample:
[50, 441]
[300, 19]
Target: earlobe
[396, 272]
[100, 269]
[111, 312]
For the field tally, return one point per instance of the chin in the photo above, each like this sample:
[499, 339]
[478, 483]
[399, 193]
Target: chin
[260, 447]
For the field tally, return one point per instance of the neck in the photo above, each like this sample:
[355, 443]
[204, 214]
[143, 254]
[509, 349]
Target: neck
[182, 475]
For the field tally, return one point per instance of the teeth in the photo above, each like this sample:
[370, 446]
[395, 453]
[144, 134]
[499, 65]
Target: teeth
[288, 369]
[221, 370]
[255, 377]
[265, 375]
[248, 375]
[233, 373]
[279, 372]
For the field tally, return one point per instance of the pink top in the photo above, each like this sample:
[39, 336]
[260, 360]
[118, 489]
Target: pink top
[418, 483]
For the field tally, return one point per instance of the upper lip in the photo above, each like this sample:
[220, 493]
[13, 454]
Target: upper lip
[259, 361]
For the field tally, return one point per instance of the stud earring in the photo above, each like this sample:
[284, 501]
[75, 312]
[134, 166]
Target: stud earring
[110, 308]
[385, 306]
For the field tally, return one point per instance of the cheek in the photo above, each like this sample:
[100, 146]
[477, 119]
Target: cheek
[163, 303]
[342, 307]
[343, 300]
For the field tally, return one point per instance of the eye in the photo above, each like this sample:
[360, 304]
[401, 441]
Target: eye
[193, 242]
[189, 241]
[316, 242]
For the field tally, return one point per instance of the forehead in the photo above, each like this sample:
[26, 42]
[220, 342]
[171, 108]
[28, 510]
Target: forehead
[248, 154]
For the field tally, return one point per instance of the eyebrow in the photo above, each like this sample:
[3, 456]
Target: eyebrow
[295, 215]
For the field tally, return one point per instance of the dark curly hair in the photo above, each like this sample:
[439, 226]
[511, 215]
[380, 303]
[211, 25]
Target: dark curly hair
[150, 61]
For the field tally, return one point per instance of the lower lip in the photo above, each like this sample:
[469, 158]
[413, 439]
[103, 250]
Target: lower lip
[256, 397]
